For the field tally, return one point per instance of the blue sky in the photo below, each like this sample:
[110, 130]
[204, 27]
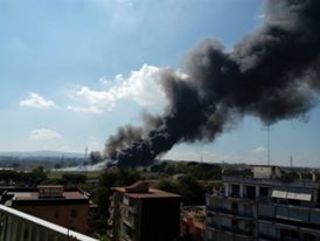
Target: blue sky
[72, 71]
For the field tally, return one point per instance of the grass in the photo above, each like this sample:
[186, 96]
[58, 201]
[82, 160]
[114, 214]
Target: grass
[89, 175]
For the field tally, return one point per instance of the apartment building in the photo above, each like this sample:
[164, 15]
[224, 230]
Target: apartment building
[65, 207]
[265, 206]
[142, 213]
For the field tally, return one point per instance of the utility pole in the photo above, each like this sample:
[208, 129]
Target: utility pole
[268, 130]
[86, 153]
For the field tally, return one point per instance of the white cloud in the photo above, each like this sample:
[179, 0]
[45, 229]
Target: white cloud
[141, 86]
[90, 109]
[35, 100]
[259, 149]
[44, 134]
[116, 80]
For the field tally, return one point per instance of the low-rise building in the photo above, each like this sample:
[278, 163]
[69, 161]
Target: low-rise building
[65, 207]
[142, 213]
[265, 206]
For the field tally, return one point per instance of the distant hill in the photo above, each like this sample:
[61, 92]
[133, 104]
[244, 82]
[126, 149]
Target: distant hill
[48, 154]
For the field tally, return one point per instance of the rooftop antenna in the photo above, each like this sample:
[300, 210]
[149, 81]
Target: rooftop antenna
[291, 161]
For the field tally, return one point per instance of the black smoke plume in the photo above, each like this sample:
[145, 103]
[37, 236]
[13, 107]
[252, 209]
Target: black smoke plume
[272, 73]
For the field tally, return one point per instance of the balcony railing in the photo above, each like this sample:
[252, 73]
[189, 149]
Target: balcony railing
[289, 212]
[233, 230]
[18, 226]
[273, 182]
[217, 209]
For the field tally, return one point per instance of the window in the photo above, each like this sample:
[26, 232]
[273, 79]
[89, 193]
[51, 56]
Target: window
[251, 192]
[264, 192]
[235, 190]
[234, 223]
[234, 206]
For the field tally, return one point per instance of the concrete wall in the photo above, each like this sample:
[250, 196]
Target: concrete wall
[261, 172]
[266, 172]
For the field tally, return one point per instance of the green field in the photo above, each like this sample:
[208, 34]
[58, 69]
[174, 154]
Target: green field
[89, 175]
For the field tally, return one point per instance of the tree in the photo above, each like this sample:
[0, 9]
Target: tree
[37, 176]
[73, 179]
[108, 179]
[7, 176]
[192, 192]
[168, 185]
[57, 166]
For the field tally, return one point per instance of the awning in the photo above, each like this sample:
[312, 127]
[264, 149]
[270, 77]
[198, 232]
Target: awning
[299, 196]
[279, 194]
[291, 195]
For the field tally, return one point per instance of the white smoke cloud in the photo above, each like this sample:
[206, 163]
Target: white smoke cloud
[35, 100]
[141, 86]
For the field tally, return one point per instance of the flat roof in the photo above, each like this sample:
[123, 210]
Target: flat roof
[152, 193]
[30, 196]
[50, 186]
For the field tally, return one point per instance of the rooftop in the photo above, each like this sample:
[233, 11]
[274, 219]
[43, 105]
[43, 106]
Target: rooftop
[271, 182]
[71, 195]
[38, 195]
[141, 190]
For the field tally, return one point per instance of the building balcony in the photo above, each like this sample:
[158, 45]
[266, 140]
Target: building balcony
[221, 210]
[264, 237]
[16, 225]
[233, 197]
[230, 230]
[271, 182]
[289, 212]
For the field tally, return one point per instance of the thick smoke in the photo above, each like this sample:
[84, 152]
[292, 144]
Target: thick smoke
[272, 73]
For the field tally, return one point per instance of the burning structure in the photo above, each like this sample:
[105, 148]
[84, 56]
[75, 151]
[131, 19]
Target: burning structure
[272, 73]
